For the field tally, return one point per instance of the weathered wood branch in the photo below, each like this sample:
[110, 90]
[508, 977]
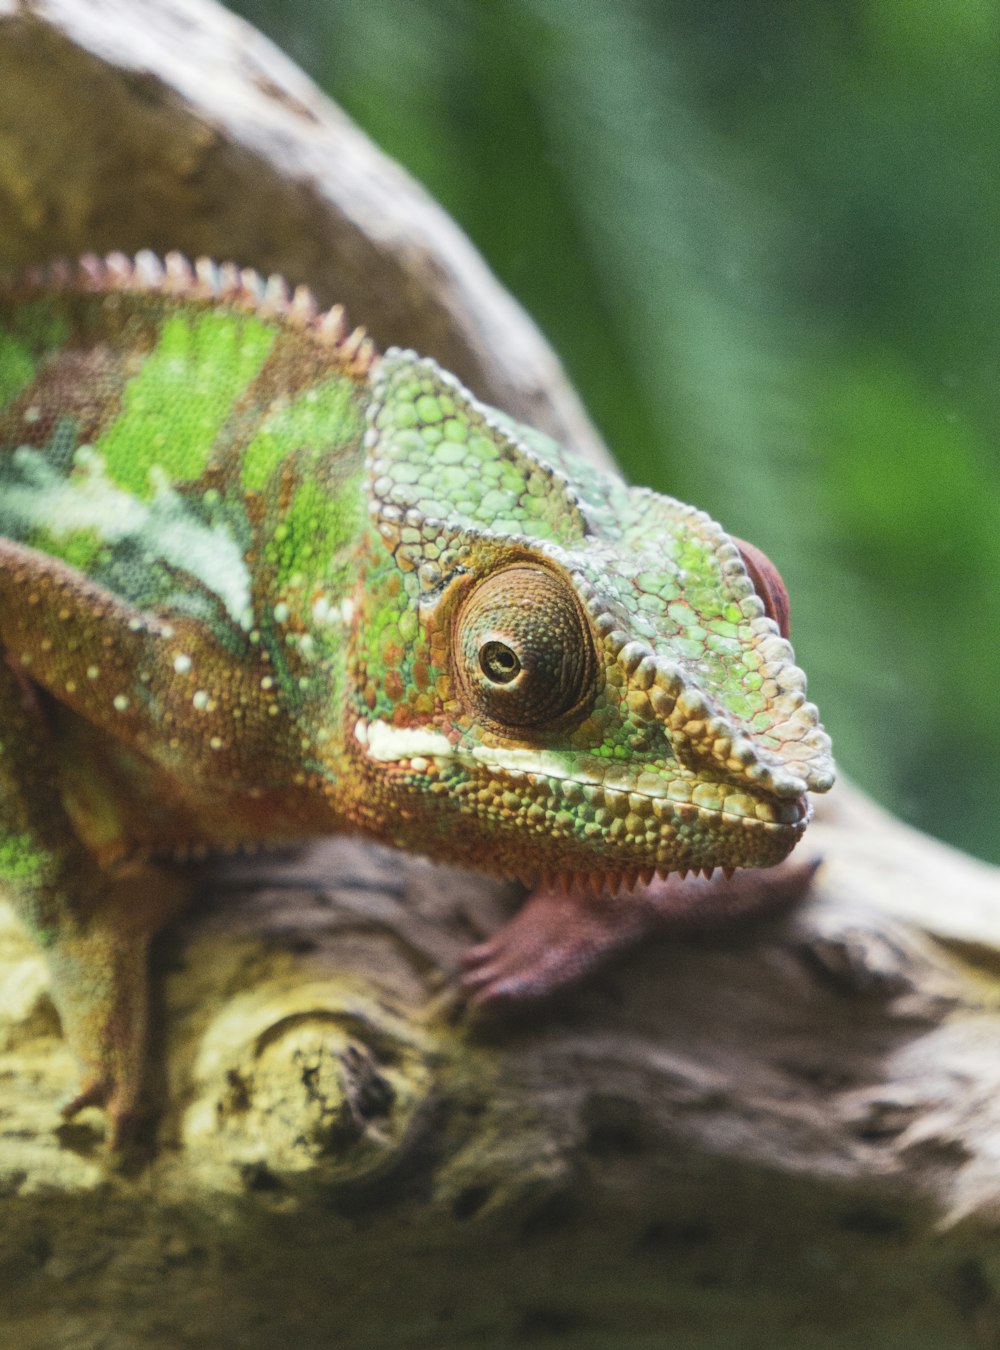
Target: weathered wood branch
[787, 1135]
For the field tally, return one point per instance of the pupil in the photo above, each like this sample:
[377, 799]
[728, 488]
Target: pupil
[499, 663]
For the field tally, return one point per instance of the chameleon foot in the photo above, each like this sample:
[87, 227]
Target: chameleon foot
[558, 937]
[105, 1023]
[553, 941]
[119, 1103]
[100, 986]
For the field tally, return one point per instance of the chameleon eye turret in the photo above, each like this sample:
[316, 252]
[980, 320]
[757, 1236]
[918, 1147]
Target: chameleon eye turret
[524, 648]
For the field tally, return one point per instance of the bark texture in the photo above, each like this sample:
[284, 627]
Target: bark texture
[788, 1135]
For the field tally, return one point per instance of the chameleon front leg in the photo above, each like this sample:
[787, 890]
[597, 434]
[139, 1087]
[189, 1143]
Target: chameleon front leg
[558, 937]
[94, 925]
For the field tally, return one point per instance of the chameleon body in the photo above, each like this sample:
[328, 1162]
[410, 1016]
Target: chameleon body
[258, 584]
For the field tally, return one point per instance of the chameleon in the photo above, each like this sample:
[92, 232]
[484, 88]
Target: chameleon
[259, 583]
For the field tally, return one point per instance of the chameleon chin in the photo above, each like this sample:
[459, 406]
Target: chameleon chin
[259, 583]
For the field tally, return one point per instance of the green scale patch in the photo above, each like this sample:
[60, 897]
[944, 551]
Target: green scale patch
[318, 419]
[437, 452]
[26, 335]
[174, 408]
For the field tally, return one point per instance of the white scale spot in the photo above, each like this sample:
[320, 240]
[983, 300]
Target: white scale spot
[182, 664]
[321, 610]
[200, 700]
[120, 702]
[281, 612]
[93, 672]
[387, 742]
[216, 743]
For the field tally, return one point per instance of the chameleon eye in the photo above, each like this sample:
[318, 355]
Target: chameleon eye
[524, 652]
[498, 662]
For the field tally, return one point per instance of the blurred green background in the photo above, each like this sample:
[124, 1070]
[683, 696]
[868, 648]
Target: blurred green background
[763, 235]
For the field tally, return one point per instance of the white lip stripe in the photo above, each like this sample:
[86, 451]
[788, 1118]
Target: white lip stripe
[528, 761]
[386, 743]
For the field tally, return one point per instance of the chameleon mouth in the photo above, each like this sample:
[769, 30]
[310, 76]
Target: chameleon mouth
[762, 842]
[710, 804]
[602, 827]
[684, 802]
[614, 880]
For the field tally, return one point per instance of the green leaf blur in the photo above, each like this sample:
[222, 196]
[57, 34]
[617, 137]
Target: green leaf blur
[764, 238]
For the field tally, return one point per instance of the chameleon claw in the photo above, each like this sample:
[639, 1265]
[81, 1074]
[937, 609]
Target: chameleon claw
[549, 945]
[94, 1092]
[119, 1107]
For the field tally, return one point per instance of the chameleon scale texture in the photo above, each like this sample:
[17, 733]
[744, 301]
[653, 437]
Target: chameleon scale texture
[257, 583]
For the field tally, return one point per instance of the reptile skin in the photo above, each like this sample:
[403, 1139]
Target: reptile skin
[258, 583]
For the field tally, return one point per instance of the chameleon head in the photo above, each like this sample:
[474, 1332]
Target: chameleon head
[556, 673]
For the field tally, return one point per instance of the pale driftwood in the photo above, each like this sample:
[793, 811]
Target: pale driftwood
[789, 1136]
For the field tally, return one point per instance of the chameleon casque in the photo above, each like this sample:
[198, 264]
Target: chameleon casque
[258, 583]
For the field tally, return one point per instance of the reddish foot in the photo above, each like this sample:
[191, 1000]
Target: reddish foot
[557, 937]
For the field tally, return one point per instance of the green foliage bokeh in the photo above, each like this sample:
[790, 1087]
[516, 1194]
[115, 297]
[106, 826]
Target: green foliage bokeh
[763, 236]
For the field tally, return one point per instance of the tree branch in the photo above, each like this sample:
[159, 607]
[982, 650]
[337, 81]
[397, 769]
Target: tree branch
[792, 1123]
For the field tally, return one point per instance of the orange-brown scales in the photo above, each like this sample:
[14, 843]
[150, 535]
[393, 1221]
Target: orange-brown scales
[257, 583]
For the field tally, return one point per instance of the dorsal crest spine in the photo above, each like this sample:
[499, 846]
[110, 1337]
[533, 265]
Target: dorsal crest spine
[242, 288]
